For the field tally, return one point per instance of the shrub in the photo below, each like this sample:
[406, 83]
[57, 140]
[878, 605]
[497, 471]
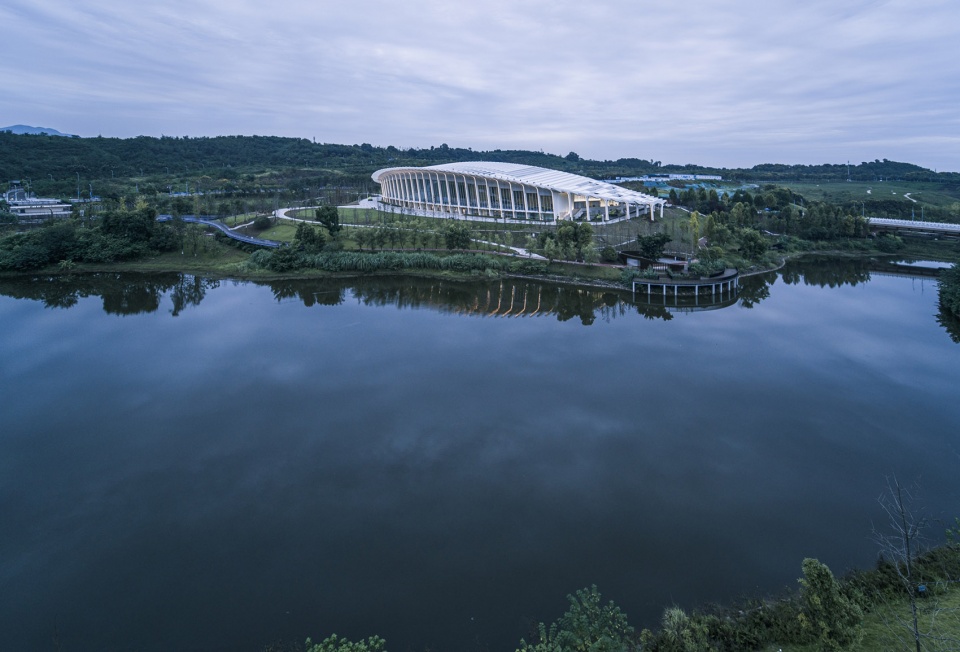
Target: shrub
[949, 285]
[586, 625]
[829, 618]
[681, 633]
[335, 643]
[889, 244]
[284, 259]
[706, 268]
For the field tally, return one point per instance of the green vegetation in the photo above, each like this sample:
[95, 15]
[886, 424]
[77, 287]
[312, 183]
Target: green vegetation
[651, 246]
[288, 259]
[568, 241]
[587, 625]
[121, 234]
[240, 180]
[330, 218]
[828, 616]
[334, 643]
[250, 165]
[910, 601]
[950, 290]
[866, 610]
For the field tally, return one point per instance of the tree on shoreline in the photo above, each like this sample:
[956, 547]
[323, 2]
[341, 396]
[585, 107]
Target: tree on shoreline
[949, 287]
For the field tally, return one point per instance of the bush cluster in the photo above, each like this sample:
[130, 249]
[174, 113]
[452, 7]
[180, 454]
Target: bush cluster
[706, 268]
[826, 614]
[287, 259]
[120, 235]
[950, 290]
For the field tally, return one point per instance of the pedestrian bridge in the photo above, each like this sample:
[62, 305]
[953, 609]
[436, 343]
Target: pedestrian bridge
[888, 224]
[223, 228]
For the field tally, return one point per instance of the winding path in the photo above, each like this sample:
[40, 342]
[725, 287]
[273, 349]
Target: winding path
[224, 229]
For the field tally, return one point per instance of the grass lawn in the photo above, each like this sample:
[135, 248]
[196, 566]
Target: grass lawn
[211, 257]
[925, 193]
[243, 218]
[888, 627]
[282, 232]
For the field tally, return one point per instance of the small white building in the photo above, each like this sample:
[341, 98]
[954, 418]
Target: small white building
[28, 208]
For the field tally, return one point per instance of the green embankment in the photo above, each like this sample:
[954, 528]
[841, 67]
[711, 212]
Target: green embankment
[864, 611]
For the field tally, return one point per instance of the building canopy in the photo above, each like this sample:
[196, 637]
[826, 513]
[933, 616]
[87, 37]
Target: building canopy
[565, 188]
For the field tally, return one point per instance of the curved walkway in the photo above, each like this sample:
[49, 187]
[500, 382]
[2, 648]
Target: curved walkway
[224, 229]
[281, 213]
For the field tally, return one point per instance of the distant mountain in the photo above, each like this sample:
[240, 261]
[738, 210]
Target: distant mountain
[36, 131]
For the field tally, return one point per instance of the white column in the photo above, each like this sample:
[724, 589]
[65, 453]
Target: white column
[606, 210]
[476, 193]
[446, 182]
[408, 189]
[587, 204]
[539, 206]
[486, 184]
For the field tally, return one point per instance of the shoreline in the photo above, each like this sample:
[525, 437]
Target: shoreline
[215, 268]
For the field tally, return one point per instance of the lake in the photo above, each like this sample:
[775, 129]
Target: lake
[213, 465]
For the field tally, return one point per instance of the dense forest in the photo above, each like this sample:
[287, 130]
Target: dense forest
[57, 165]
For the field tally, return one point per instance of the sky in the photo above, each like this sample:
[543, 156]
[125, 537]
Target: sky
[730, 83]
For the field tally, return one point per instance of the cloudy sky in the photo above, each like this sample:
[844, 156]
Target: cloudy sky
[727, 83]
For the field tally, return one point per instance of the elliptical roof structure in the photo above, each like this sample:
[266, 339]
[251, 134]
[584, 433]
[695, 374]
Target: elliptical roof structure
[509, 190]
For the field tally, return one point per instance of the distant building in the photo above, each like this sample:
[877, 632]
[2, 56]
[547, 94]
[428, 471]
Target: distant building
[511, 192]
[659, 178]
[28, 208]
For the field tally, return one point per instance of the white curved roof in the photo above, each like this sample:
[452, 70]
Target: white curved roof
[535, 176]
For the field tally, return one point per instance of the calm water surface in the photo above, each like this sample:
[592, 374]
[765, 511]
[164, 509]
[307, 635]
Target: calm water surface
[194, 465]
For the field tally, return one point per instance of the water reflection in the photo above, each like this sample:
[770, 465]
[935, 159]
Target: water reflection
[123, 293]
[950, 323]
[132, 294]
[505, 298]
[189, 291]
[827, 271]
[331, 458]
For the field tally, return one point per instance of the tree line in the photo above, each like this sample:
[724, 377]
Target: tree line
[52, 163]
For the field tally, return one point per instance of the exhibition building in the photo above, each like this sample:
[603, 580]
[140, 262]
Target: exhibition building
[510, 191]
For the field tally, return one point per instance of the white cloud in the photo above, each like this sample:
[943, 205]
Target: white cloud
[714, 82]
